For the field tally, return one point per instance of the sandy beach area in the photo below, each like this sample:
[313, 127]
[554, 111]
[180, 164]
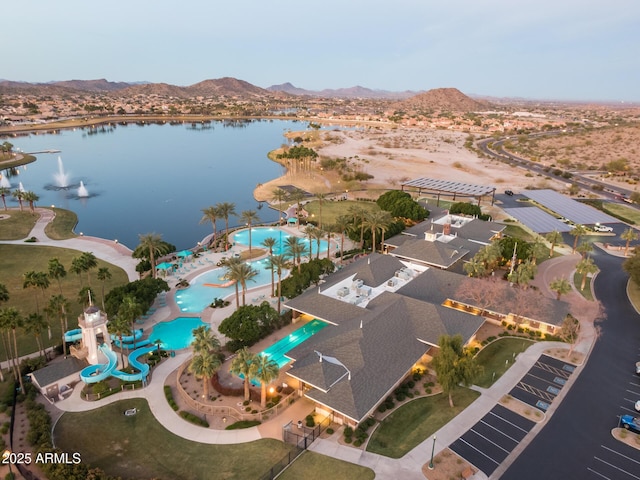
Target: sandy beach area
[396, 155]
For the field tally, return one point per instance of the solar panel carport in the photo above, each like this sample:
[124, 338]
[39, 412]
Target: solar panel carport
[575, 211]
[537, 220]
[450, 187]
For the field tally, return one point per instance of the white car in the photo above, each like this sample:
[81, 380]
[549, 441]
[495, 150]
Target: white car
[638, 406]
[603, 228]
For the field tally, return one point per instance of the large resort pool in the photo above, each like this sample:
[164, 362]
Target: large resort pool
[176, 334]
[259, 234]
[277, 352]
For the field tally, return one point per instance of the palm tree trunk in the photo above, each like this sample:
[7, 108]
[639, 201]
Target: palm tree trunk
[237, 296]
[263, 395]
[64, 342]
[279, 289]
[205, 386]
[246, 386]
[15, 347]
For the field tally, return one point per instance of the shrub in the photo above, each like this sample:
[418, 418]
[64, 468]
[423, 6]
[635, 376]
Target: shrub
[330, 431]
[243, 424]
[168, 394]
[348, 431]
[357, 443]
[310, 422]
[190, 417]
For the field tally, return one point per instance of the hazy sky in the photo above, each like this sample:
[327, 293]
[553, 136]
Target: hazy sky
[561, 49]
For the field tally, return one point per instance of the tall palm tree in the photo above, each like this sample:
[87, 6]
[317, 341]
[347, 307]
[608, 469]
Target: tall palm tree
[31, 197]
[244, 364]
[35, 324]
[19, 196]
[249, 217]
[6, 343]
[585, 267]
[77, 268]
[103, 275]
[211, 214]
[56, 270]
[629, 235]
[538, 249]
[321, 197]
[153, 244]
[296, 196]
[241, 272]
[278, 196]
[342, 223]
[295, 248]
[119, 326]
[4, 191]
[359, 214]
[584, 249]
[58, 307]
[553, 238]
[267, 370]
[13, 320]
[269, 243]
[376, 220]
[577, 231]
[204, 340]
[524, 273]
[475, 267]
[204, 365]
[128, 311]
[278, 263]
[226, 210]
[89, 262]
[314, 234]
[36, 280]
[560, 286]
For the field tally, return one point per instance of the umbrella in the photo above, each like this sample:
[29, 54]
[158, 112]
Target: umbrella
[185, 253]
[164, 266]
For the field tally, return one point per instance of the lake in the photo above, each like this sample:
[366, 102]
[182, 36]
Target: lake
[153, 177]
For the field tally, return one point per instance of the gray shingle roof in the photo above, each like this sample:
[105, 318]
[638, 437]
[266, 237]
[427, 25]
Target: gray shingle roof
[438, 254]
[57, 370]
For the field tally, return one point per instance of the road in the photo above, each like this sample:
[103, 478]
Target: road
[576, 442]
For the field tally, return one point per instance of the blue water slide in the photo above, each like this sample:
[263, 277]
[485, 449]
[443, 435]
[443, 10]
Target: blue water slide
[73, 335]
[101, 371]
[127, 338]
[131, 346]
[133, 361]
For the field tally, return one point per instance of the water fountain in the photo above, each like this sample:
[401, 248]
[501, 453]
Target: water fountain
[82, 190]
[21, 187]
[61, 177]
[4, 182]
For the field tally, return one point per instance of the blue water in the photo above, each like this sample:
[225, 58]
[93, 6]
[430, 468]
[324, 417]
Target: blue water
[198, 296]
[176, 334]
[259, 234]
[153, 178]
[278, 350]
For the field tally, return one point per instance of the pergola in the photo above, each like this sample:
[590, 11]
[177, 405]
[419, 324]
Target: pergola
[450, 188]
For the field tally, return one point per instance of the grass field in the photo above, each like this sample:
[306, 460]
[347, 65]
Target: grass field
[313, 466]
[412, 423]
[18, 225]
[139, 447]
[497, 357]
[332, 210]
[630, 213]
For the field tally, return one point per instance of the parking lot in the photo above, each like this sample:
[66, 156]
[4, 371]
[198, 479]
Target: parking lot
[492, 439]
[543, 382]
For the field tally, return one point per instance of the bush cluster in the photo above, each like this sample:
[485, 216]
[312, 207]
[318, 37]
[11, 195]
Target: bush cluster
[360, 433]
[190, 417]
[387, 405]
[310, 272]
[168, 394]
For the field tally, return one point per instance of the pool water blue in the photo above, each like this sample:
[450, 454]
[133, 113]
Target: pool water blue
[176, 334]
[198, 296]
[259, 234]
[278, 350]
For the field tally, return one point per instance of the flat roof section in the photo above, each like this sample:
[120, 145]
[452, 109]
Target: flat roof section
[449, 186]
[537, 220]
[566, 207]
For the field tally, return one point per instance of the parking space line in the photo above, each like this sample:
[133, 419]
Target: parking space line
[542, 379]
[620, 454]
[493, 443]
[500, 432]
[554, 370]
[479, 451]
[598, 473]
[617, 468]
[535, 391]
[507, 421]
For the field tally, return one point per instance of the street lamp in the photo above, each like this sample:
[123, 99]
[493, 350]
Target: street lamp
[433, 448]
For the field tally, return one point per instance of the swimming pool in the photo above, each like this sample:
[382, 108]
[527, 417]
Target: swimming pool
[176, 334]
[199, 295]
[278, 350]
[259, 234]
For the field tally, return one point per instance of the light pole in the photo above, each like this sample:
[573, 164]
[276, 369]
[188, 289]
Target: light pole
[433, 448]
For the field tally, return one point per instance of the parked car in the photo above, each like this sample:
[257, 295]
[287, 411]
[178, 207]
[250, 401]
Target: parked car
[603, 228]
[509, 192]
[637, 368]
[637, 406]
[630, 423]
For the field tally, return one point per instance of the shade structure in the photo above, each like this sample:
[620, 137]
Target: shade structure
[164, 266]
[185, 253]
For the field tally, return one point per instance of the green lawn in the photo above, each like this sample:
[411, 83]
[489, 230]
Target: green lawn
[19, 259]
[412, 423]
[313, 466]
[139, 447]
[633, 292]
[497, 357]
[624, 211]
[18, 225]
[586, 293]
[62, 225]
[332, 210]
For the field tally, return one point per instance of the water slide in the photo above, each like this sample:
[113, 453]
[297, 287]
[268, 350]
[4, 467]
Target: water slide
[127, 338]
[73, 335]
[97, 373]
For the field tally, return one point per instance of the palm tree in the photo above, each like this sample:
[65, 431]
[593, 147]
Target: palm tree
[153, 244]
[211, 214]
[359, 214]
[538, 249]
[278, 195]
[36, 280]
[59, 306]
[88, 261]
[560, 286]
[314, 234]
[226, 210]
[128, 311]
[376, 220]
[295, 248]
[577, 231]
[6, 342]
[524, 273]
[244, 364]
[278, 263]
[204, 341]
[119, 326]
[204, 365]
[267, 370]
[585, 267]
[321, 197]
[296, 196]
[553, 238]
[248, 217]
[584, 248]
[77, 268]
[241, 272]
[35, 324]
[31, 197]
[12, 319]
[475, 267]
[269, 243]
[18, 195]
[103, 275]
[342, 223]
[4, 191]
[56, 270]
[158, 343]
[629, 235]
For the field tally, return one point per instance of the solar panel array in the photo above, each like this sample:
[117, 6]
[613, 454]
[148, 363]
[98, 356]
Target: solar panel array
[537, 220]
[575, 211]
[449, 186]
